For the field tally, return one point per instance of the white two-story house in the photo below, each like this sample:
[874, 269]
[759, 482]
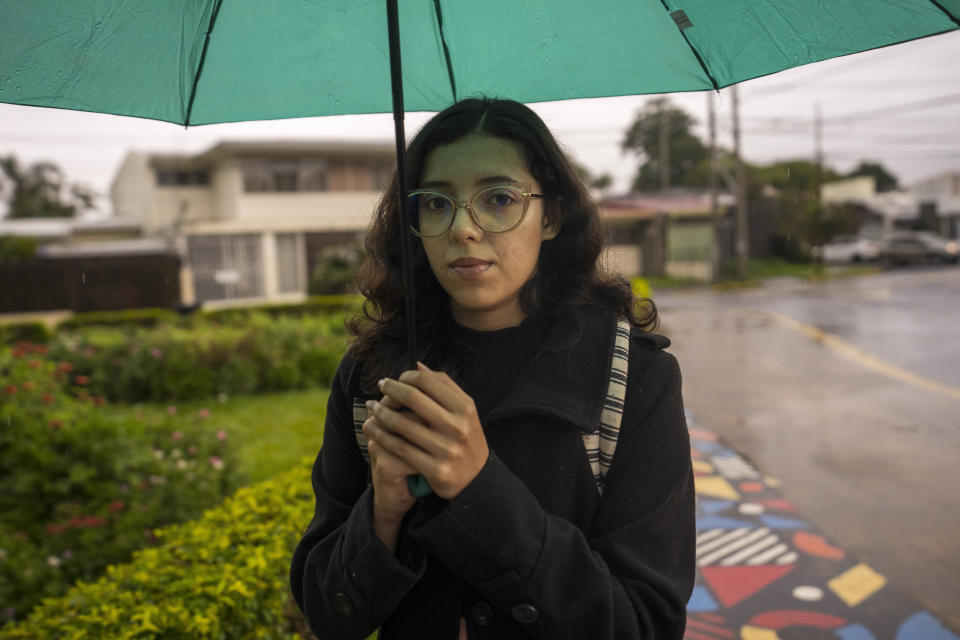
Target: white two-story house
[249, 217]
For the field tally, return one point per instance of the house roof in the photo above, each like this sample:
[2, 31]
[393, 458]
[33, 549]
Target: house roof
[235, 148]
[640, 206]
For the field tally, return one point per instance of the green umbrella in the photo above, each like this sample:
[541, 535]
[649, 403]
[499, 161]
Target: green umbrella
[196, 62]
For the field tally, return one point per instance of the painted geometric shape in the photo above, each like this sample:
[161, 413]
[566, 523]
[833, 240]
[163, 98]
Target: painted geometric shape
[777, 522]
[784, 618]
[700, 628]
[702, 466]
[808, 593]
[734, 584]
[735, 468]
[752, 487]
[743, 546]
[772, 482]
[856, 584]
[702, 434]
[777, 503]
[855, 631]
[923, 626]
[719, 522]
[711, 507]
[749, 632]
[814, 544]
[701, 600]
[715, 487]
[750, 508]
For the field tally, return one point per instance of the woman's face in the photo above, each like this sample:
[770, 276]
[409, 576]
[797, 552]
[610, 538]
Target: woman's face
[483, 272]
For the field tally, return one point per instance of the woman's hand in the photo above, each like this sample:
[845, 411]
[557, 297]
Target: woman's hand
[391, 497]
[442, 439]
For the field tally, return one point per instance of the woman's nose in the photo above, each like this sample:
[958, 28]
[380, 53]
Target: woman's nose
[463, 227]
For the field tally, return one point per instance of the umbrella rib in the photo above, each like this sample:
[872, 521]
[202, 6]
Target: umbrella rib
[703, 65]
[446, 51]
[948, 14]
[203, 57]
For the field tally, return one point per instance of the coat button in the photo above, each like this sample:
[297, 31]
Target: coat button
[525, 613]
[482, 613]
[343, 604]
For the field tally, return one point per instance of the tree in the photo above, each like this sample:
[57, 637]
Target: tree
[688, 155]
[886, 181]
[41, 191]
[599, 182]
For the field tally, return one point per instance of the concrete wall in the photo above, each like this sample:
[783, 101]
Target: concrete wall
[625, 259]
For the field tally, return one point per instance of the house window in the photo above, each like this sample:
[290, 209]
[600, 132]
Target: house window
[226, 266]
[382, 173]
[289, 261]
[182, 177]
[284, 175]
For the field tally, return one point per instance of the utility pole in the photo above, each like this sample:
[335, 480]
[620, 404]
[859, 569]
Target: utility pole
[818, 150]
[743, 238]
[664, 147]
[714, 213]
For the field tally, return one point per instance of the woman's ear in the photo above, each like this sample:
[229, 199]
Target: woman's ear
[550, 231]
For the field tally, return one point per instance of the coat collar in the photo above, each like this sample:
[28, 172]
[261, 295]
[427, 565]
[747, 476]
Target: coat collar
[570, 377]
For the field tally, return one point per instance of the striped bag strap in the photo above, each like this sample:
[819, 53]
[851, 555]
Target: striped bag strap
[359, 417]
[602, 443]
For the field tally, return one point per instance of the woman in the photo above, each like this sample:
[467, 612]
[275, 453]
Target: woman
[520, 537]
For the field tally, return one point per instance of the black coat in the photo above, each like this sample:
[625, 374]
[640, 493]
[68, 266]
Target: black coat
[529, 548]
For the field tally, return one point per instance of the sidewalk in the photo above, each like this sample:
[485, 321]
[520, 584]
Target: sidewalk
[766, 573]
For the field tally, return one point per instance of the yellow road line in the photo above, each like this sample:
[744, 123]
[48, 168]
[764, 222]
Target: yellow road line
[844, 348]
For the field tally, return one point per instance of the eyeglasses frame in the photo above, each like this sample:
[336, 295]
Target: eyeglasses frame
[468, 205]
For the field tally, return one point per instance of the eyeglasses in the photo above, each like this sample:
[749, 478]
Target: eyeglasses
[495, 209]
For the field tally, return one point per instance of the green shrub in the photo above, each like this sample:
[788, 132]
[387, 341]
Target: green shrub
[314, 305]
[222, 576]
[17, 248]
[33, 332]
[125, 318]
[81, 489]
[336, 269]
[175, 363]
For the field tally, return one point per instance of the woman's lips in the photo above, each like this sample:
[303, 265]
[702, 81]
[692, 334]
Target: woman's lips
[469, 267]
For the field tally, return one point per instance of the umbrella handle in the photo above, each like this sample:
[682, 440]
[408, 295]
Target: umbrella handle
[418, 485]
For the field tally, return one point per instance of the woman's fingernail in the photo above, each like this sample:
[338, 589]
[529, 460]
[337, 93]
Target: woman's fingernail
[422, 366]
[380, 382]
[371, 405]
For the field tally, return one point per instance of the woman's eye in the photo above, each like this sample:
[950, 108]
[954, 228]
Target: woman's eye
[501, 198]
[435, 204]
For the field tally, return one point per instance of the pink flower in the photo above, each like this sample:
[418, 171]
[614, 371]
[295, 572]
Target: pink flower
[10, 388]
[56, 424]
[88, 351]
[34, 364]
[81, 380]
[65, 367]
[176, 435]
[222, 435]
[216, 463]
[172, 410]
[53, 528]
[47, 398]
[192, 450]
[204, 413]
[115, 506]
[156, 352]
[29, 385]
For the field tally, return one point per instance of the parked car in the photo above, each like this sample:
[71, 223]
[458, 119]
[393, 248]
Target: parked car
[844, 249]
[916, 247]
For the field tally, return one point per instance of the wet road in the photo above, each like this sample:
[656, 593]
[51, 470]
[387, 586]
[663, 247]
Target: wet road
[849, 393]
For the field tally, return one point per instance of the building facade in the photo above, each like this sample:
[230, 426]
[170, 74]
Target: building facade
[249, 217]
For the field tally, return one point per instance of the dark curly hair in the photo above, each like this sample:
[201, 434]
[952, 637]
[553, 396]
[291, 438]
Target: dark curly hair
[568, 274]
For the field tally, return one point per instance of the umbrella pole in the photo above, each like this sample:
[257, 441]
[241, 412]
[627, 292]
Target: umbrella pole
[417, 484]
[406, 251]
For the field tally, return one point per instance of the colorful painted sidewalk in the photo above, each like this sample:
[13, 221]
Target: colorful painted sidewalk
[766, 573]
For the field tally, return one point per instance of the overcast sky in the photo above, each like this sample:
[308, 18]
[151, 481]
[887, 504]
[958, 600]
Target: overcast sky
[899, 105]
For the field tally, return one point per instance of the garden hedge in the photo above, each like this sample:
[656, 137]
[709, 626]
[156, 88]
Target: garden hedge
[224, 575]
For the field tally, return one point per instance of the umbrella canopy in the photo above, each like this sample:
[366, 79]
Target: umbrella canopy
[206, 61]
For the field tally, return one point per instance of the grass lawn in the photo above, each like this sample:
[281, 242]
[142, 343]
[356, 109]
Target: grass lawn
[269, 432]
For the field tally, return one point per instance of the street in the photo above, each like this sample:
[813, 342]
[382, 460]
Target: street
[848, 392]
